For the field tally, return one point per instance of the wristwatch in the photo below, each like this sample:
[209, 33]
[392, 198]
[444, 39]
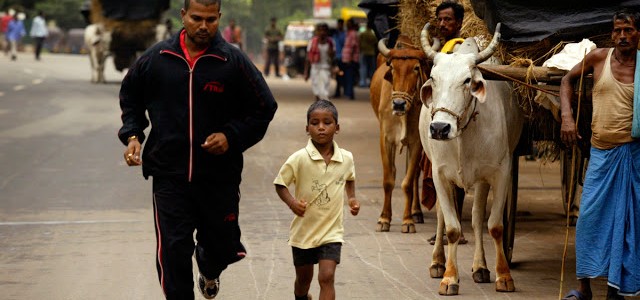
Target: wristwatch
[132, 138]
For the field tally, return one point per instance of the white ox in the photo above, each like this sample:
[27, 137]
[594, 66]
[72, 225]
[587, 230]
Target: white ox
[469, 128]
[97, 39]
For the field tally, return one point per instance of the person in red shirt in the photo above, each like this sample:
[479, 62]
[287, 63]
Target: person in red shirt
[4, 25]
[350, 58]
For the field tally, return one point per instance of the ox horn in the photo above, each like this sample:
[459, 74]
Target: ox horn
[488, 52]
[382, 47]
[426, 47]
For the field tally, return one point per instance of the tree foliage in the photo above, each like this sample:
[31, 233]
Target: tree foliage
[252, 15]
[66, 13]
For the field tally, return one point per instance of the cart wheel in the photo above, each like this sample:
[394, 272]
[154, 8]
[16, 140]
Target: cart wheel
[509, 216]
[569, 185]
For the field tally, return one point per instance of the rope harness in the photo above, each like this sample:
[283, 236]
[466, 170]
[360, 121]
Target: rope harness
[404, 95]
[459, 119]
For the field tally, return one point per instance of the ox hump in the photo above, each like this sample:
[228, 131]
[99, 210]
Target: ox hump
[468, 47]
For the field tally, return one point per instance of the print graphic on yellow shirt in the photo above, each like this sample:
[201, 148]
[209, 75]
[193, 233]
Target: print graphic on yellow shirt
[323, 198]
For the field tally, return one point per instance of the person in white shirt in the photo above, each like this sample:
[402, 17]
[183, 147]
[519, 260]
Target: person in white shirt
[320, 54]
[39, 32]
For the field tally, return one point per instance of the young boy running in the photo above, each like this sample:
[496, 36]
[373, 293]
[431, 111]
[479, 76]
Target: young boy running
[321, 173]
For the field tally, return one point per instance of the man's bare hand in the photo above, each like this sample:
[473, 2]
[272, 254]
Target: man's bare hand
[132, 154]
[216, 143]
[568, 132]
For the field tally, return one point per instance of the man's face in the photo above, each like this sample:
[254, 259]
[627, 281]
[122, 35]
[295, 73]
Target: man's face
[322, 32]
[625, 35]
[447, 23]
[201, 22]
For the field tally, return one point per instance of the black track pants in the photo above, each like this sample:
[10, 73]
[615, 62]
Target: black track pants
[209, 208]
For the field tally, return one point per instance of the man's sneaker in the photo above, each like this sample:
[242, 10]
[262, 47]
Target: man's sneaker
[208, 288]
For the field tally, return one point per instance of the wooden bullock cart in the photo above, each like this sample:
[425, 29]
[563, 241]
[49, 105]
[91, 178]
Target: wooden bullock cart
[572, 170]
[563, 21]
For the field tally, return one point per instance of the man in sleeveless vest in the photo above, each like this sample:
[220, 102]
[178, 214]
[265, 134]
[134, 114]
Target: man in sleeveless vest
[608, 229]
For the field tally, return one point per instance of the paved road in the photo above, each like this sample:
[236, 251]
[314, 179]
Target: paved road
[75, 222]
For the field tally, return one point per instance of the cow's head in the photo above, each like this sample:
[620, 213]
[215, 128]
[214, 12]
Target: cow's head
[455, 86]
[408, 70]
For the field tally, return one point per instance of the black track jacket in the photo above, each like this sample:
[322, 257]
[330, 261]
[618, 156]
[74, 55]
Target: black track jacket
[223, 92]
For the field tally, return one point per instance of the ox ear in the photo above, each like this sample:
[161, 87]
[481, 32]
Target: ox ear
[426, 92]
[478, 86]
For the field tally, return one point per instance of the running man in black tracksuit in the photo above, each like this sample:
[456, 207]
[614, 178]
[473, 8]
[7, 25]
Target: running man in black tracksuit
[207, 104]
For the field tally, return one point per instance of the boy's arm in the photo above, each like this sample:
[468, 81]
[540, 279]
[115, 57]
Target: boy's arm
[298, 207]
[354, 204]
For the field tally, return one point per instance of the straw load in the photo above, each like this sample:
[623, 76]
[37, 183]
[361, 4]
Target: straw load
[128, 36]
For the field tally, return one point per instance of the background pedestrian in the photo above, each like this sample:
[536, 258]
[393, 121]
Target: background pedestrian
[320, 53]
[15, 32]
[273, 36]
[368, 45]
[39, 32]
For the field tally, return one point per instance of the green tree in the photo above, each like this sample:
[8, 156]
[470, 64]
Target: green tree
[66, 13]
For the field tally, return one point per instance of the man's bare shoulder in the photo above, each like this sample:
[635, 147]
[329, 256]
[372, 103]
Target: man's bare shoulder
[599, 54]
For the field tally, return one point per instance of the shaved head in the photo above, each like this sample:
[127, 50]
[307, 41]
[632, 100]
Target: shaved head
[187, 3]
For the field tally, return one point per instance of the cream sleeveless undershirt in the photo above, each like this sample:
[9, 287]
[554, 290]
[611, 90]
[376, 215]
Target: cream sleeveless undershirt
[612, 110]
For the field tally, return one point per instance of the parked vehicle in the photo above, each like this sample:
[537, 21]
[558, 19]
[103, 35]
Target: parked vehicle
[296, 39]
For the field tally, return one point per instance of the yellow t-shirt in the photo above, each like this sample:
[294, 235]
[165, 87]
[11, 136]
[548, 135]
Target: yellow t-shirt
[322, 186]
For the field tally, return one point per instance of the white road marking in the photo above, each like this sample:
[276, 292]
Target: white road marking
[19, 87]
[68, 222]
[37, 81]
[1, 94]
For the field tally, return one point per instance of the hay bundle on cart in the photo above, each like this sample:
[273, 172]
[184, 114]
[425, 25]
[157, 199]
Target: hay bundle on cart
[132, 25]
[531, 33]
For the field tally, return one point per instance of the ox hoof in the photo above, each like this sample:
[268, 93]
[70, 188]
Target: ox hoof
[448, 289]
[505, 284]
[408, 228]
[383, 226]
[481, 276]
[436, 271]
[418, 218]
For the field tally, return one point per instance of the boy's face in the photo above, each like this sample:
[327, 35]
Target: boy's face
[322, 126]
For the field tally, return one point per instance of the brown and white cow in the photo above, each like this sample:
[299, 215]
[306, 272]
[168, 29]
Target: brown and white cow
[396, 103]
[469, 128]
